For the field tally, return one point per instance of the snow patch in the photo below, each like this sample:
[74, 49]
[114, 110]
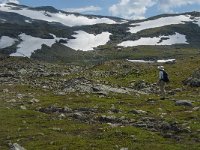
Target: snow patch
[161, 40]
[6, 41]
[140, 61]
[166, 60]
[29, 44]
[197, 21]
[156, 61]
[3, 20]
[174, 39]
[85, 41]
[68, 20]
[160, 22]
[28, 21]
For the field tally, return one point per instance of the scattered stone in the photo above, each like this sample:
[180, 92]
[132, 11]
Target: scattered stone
[16, 146]
[61, 93]
[5, 90]
[79, 116]
[20, 96]
[22, 71]
[183, 103]
[84, 86]
[108, 119]
[192, 81]
[34, 100]
[196, 108]
[165, 126]
[57, 129]
[62, 116]
[12, 101]
[113, 109]
[23, 107]
[52, 143]
[54, 109]
[141, 125]
[67, 109]
[124, 148]
[113, 125]
[138, 111]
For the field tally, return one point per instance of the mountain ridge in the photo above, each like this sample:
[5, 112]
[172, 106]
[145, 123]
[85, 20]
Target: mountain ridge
[175, 29]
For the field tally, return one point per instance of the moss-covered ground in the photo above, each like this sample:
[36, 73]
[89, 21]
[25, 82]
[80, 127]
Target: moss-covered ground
[35, 130]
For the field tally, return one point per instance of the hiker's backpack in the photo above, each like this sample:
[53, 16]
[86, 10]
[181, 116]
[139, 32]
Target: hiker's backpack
[165, 77]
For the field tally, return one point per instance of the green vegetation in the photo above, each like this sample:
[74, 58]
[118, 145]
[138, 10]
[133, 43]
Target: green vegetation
[34, 125]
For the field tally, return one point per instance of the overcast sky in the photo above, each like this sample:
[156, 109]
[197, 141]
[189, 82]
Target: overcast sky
[128, 9]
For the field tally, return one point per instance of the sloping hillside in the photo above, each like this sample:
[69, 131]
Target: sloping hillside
[114, 105]
[32, 32]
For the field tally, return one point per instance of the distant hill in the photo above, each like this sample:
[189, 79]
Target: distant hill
[48, 34]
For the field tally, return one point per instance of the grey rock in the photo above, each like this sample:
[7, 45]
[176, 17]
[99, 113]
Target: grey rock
[79, 116]
[10, 74]
[124, 148]
[67, 109]
[140, 125]
[23, 71]
[138, 111]
[23, 107]
[194, 80]
[196, 108]
[16, 146]
[183, 103]
[108, 119]
[165, 126]
[5, 90]
[34, 100]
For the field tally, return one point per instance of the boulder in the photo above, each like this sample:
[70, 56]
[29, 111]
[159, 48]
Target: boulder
[16, 146]
[183, 103]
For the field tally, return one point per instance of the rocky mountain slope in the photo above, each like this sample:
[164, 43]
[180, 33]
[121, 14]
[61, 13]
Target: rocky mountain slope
[46, 33]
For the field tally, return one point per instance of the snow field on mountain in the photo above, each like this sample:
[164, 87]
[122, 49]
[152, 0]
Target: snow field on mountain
[160, 22]
[68, 20]
[85, 41]
[29, 44]
[161, 40]
[6, 41]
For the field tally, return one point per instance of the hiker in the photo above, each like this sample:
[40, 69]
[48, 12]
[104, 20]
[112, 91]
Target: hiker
[163, 79]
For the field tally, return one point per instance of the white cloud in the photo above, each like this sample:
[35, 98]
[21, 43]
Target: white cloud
[9, 1]
[168, 5]
[131, 9]
[83, 9]
[137, 9]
